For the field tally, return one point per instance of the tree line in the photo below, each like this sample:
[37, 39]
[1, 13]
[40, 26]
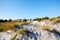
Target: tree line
[25, 20]
[1, 20]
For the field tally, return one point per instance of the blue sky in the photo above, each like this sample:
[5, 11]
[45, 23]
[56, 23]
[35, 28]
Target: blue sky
[18, 9]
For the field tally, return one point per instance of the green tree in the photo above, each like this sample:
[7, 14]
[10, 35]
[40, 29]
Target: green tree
[10, 20]
[24, 20]
[37, 19]
[45, 18]
[58, 17]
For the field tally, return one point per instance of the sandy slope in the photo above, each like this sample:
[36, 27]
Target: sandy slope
[44, 30]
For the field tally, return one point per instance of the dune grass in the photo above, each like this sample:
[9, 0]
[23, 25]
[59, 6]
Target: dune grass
[55, 20]
[11, 25]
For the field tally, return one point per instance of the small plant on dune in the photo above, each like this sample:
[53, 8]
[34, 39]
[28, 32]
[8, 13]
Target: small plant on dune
[46, 28]
[21, 31]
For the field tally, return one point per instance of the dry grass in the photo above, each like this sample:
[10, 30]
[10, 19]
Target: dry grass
[24, 23]
[55, 20]
[10, 25]
[21, 31]
[7, 26]
[46, 28]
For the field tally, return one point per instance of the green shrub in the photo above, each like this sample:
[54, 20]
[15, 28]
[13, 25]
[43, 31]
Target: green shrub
[45, 18]
[58, 17]
[24, 20]
[37, 19]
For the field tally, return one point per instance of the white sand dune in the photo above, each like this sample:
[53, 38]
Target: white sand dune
[44, 30]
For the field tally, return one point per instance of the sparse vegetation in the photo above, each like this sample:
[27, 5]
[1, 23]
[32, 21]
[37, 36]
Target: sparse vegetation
[55, 20]
[11, 25]
[1, 29]
[21, 31]
[46, 28]
[4, 26]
